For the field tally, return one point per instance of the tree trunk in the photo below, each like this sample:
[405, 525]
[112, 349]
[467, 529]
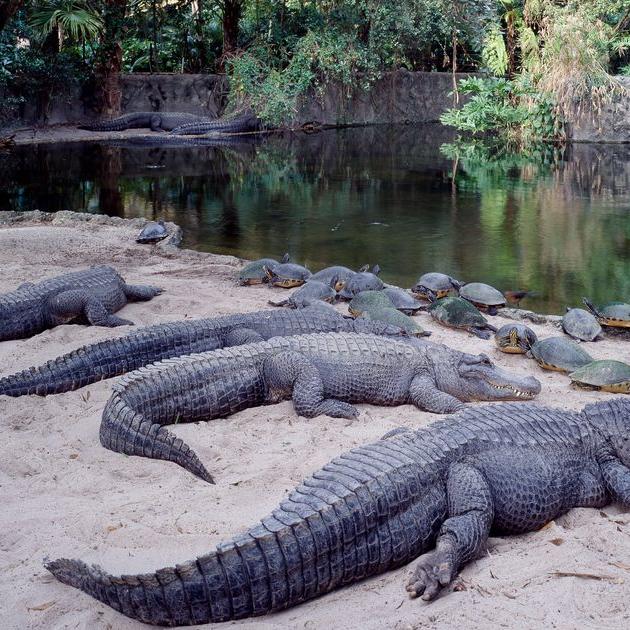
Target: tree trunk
[231, 16]
[201, 63]
[8, 8]
[109, 59]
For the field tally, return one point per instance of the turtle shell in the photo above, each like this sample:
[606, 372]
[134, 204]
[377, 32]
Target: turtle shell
[435, 284]
[254, 272]
[560, 354]
[456, 313]
[483, 295]
[361, 281]
[369, 300]
[611, 376]
[581, 324]
[613, 314]
[328, 274]
[392, 316]
[152, 232]
[403, 300]
[288, 275]
[515, 338]
[312, 291]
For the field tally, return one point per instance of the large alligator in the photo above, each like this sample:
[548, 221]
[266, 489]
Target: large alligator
[156, 121]
[322, 373]
[435, 493]
[112, 357]
[91, 294]
[246, 122]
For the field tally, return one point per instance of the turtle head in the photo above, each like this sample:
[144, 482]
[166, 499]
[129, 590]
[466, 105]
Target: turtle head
[612, 418]
[471, 377]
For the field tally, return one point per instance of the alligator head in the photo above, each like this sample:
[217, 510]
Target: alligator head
[471, 377]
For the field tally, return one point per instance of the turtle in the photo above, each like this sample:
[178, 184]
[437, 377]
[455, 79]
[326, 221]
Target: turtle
[310, 292]
[581, 324]
[369, 300]
[393, 316]
[483, 296]
[152, 232]
[612, 314]
[341, 273]
[403, 300]
[436, 285]
[515, 338]
[254, 272]
[455, 312]
[287, 275]
[362, 280]
[609, 376]
[559, 354]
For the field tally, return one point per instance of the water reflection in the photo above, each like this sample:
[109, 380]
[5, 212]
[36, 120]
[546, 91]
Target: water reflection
[554, 222]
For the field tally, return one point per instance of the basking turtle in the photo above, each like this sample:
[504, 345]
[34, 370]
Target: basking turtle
[152, 232]
[403, 300]
[559, 354]
[456, 312]
[483, 296]
[435, 285]
[581, 324]
[287, 275]
[363, 280]
[392, 316]
[613, 314]
[515, 338]
[310, 292]
[368, 301]
[609, 376]
[341, 273]
[254, 272]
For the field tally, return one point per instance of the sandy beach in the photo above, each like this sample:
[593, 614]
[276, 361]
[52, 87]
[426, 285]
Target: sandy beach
[63, 494]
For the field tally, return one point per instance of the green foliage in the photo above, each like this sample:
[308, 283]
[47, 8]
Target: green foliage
[75, 17]
[494, 53]
[513, 110]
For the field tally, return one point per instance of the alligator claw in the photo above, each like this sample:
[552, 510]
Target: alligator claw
[433, 571]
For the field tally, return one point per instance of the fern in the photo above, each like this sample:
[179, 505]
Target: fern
[494, 53]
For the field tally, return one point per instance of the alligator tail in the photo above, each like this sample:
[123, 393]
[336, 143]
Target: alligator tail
[109, 358]
[125, 431]
[236, 125]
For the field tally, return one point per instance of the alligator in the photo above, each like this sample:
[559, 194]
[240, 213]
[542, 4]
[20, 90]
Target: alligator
[90, 295]
[244, 123]
[156, 121]
[324, 373]
[112, 357]
[434, 494]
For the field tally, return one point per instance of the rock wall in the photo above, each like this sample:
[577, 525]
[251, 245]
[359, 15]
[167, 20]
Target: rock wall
[398, 97]
[611, 124]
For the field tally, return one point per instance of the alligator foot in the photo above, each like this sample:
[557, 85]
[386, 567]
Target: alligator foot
[433, 571]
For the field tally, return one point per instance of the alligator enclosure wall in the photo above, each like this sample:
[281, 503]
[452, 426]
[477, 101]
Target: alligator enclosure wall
[397, 97]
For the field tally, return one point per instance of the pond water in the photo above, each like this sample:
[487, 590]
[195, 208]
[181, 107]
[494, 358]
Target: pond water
[554, 222]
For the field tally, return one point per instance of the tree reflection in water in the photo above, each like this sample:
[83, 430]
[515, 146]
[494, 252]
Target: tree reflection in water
[552, 221]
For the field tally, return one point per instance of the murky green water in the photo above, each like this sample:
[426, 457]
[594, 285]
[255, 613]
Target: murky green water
[556, 222]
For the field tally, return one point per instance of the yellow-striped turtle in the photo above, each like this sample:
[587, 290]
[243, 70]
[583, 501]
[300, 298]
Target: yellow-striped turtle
[559, 354]
[614, 314]
[396, 318]
[311, 291]
[362, 281]
[455, 312]
[608, 376]
[254, 272]
[483, 296]
[342, 274]
[434, 285]
[287, 275]
[515, 338]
